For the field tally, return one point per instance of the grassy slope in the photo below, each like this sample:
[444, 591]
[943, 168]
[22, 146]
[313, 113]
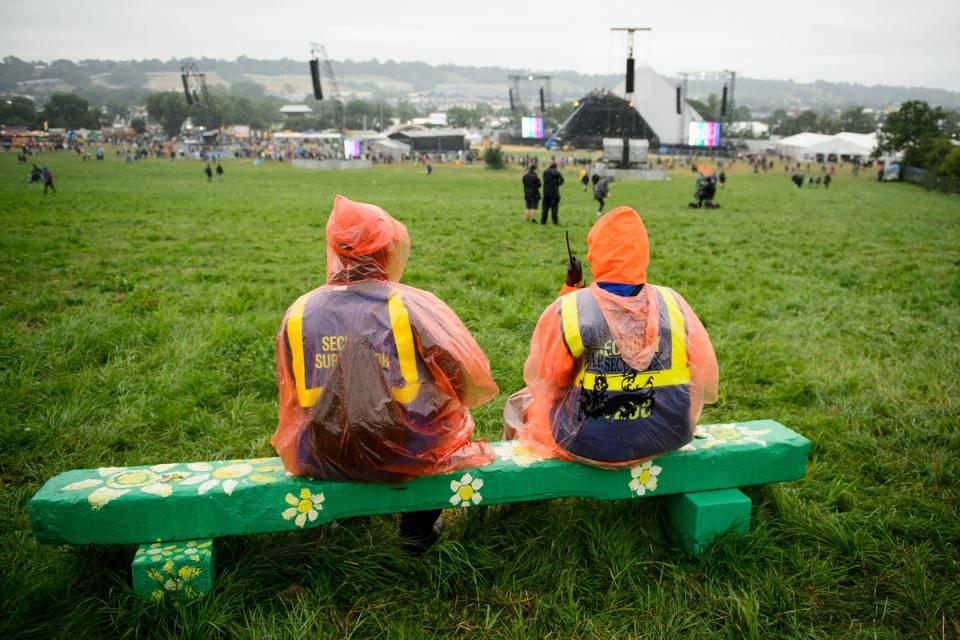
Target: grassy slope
[136, 326]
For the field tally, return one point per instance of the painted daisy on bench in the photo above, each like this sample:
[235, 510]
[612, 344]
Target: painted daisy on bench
[307, 506]
[466, 491]
[118, 481]
[516, 452]
[644, 478]
[715, 435]
[228, 476]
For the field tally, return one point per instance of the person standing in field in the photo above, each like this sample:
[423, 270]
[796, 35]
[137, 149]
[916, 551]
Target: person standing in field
[209, 172]
[531, 193]
[584, 179]
[601, 190]
[219, 171]
[47, 180]
[376, 378]
[552, 179]
[617, 372]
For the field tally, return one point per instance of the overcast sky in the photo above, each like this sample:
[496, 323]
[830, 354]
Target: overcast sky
[913, 43]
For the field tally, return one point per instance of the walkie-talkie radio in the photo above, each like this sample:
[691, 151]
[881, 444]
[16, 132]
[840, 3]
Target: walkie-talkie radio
[574, 268]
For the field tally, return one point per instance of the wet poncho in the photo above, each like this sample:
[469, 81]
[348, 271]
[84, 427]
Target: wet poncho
[614, 379]
[376, 377]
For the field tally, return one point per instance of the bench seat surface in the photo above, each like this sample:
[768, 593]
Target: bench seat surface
[202, 500]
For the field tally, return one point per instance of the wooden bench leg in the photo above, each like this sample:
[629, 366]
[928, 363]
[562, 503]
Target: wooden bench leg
[183, 568]
[698, 518]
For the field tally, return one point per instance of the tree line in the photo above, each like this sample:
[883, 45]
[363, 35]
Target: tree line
[926, 135]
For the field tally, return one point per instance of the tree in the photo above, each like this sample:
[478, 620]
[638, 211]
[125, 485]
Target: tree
[69, 111]
[493, 157]
[139, 125]
[251, 90]
[857, 120]
[169, 109]
[929, 153]
[806, 121]
[462, 117]
[18, 112]
[903, 129]
[406, 111]
[951, 164]
[14, 70]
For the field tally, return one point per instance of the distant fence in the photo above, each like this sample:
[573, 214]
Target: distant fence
[930, 180]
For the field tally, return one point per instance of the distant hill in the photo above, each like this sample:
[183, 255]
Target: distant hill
[422, 82]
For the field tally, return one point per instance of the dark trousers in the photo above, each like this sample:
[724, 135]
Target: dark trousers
[552, 204]
[418, 525]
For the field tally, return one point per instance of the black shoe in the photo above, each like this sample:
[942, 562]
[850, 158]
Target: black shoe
[416, 539]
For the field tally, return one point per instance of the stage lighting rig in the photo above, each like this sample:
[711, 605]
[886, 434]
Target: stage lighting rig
[198, 96]
[729, 79]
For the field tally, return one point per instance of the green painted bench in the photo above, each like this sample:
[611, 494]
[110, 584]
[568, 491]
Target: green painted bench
[175, 511]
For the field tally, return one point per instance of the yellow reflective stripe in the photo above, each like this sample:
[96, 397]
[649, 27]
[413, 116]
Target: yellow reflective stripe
[665, 378]
[678, 331]
[678, 374]
[307, 397]
[570, 318]
[406, 354]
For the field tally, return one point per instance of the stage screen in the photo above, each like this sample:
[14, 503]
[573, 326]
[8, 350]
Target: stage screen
[704, 134]
[531, 127]
[351, 149]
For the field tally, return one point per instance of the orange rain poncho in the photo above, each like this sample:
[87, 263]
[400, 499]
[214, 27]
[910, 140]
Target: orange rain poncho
[376, 377]
[614, 379]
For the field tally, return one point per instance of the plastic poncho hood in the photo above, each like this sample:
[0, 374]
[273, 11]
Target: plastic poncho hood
[376, 378]
[619, 250]
[364, 242]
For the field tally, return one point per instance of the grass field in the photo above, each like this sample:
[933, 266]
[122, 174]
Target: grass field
[139, 306]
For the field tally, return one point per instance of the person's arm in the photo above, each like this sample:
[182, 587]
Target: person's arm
[550, 366]
[291, 415]
[704, 370]
[444, 342]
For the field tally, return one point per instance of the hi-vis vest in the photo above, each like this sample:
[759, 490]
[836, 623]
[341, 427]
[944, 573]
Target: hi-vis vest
[613, 413]
[320, 324]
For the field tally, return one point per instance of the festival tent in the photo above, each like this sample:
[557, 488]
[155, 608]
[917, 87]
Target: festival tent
[807, 146]
[846, 144]
[655, 99]
[795, 146]
[394, 149]
[433, 139]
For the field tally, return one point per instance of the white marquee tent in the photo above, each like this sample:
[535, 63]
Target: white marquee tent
[807, 146]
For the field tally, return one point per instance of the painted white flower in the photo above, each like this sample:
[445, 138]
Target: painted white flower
[466, 491]
[226, 477]
[517, 453]
[119, 481]
[303, 508]
[713, 435]
[644, 478]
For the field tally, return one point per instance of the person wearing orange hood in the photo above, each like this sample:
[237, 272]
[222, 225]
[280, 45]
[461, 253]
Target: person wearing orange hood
[619, 371]
[376, 377]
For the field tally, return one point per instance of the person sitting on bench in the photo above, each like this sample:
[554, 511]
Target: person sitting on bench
[617, 372]
[375, 377]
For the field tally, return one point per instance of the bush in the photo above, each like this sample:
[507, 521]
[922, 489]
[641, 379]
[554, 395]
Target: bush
[493, 157]
[951, 164]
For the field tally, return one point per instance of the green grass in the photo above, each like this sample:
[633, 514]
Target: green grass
[137, 320]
